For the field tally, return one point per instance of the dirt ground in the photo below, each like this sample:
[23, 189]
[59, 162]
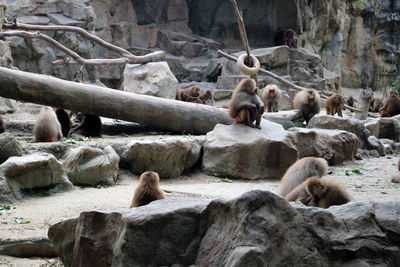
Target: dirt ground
[367, 179]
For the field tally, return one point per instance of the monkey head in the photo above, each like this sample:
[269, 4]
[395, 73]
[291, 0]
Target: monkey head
[393, 93]
[195, 91]
[316, 187]
[249, 86]
[150, 177]
[310, 96]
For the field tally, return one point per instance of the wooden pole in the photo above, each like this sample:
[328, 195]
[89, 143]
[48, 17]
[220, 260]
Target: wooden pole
[155, 112]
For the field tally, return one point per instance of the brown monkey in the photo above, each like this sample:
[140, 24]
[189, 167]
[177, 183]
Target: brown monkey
[334, 104]
[300, 171]
[326, 192]
[47, 128]
[308, 103]
[392, 105]
[147, 190]
[375, 104]
[300, 193]
[189, 94]
[64, 120]
[79, 80]
[270, 95]
[351, 102]
[89, 126]
[286, 37]
[246, 106]
[2, 125]
[204, 97]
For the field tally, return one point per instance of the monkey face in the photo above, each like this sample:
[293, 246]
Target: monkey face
[271, 92]
[394, 93]
[195, 91]
[318, 190]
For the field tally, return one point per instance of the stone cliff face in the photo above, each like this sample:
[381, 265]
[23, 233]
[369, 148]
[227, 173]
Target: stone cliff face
[358, 42]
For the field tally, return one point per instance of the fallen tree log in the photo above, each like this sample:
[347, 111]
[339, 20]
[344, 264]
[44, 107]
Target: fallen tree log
[155, 112]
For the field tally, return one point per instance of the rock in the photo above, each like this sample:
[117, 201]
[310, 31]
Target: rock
[375, 144]
[335, 146]
[286, 119]
[395, 178]
[346, 124]
[169, 157]
[154, 78]
[34, 171]
[9, 146]
[25, 248]
[396, 128]
[244, 231]
[90, 166]
[374, 153]
[242, 152]
[373, 127]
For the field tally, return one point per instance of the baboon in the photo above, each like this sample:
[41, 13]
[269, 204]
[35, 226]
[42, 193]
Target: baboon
[246, 106]
[300, 171]
[270, 95]
[189, 94]
[308, 103]
[300, 193]
[205, 96]
[64, 120]
[147, 190]
[375, 104]
[47, 128]
[286, 37]
[326, 192]
[89, 126]
[334, 104]
[2, 125]
[79, 80]
[351, 102]
[392, 105]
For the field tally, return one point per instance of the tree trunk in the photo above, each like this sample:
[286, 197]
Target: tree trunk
[366, 96]
[159, 113]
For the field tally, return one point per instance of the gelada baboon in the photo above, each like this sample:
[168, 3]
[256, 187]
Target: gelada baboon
[270, 95]
[300, 171]
[64, 120]
[375, 105]
[286, 37]
[147, 190]
[308, 103]
[392, 105]
[2, 125]
[246, 106]
[89, 126]
[326, 192]
[189, 94]
[204, 97]
[334, 104]
[47, 128]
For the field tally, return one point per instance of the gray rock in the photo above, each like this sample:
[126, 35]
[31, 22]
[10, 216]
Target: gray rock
[335, 146]
[375, 144]
[90, 166]
[169, 157]
[25, 248]
[244, 231]
[373, 126]
[346, 124]
[374, 153]
[154, 78]
[34, 171]
[242, 152]
[386, 129]
[9, 146]
[396, 128]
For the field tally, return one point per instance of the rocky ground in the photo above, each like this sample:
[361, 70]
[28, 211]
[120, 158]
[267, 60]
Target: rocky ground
[366, 179]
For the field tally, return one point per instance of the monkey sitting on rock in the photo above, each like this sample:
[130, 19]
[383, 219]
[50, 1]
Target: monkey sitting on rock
[308, 103]
[204, 97]
[270, 95]
[375, 105]
[334, 104]
[47, 127]
[147, 190]
[189, 94]
[392, 105]
[89, 126]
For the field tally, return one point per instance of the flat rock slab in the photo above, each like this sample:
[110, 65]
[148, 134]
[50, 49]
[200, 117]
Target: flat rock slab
[240, 151]
[9, 147]
[30, 247]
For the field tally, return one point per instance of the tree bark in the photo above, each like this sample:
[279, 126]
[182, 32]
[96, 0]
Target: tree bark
[366, 96]
[158, 113]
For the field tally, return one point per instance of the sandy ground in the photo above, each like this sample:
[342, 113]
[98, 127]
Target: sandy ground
[38, 213]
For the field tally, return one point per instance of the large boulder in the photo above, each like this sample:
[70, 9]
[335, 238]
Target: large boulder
[335, 146]
[90, 166]
[169, 157]
[34, 171]
[258, 228]
[240, 151]
[154, 78]
[9, 147]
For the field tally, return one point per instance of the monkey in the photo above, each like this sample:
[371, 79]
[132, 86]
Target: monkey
[334, 104]
[300, 193]
[375, 105]
[300, 171]
[89, 126]
[204, 97]
[270, 95]
[64, 120]
[286, 37]
[392, 105]
[246, 106]
[326, 192]
[47, 128]
[147, 190]
[2, 125]
[308, 103]
[79, 80]
[189, 94]
[351, 102]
